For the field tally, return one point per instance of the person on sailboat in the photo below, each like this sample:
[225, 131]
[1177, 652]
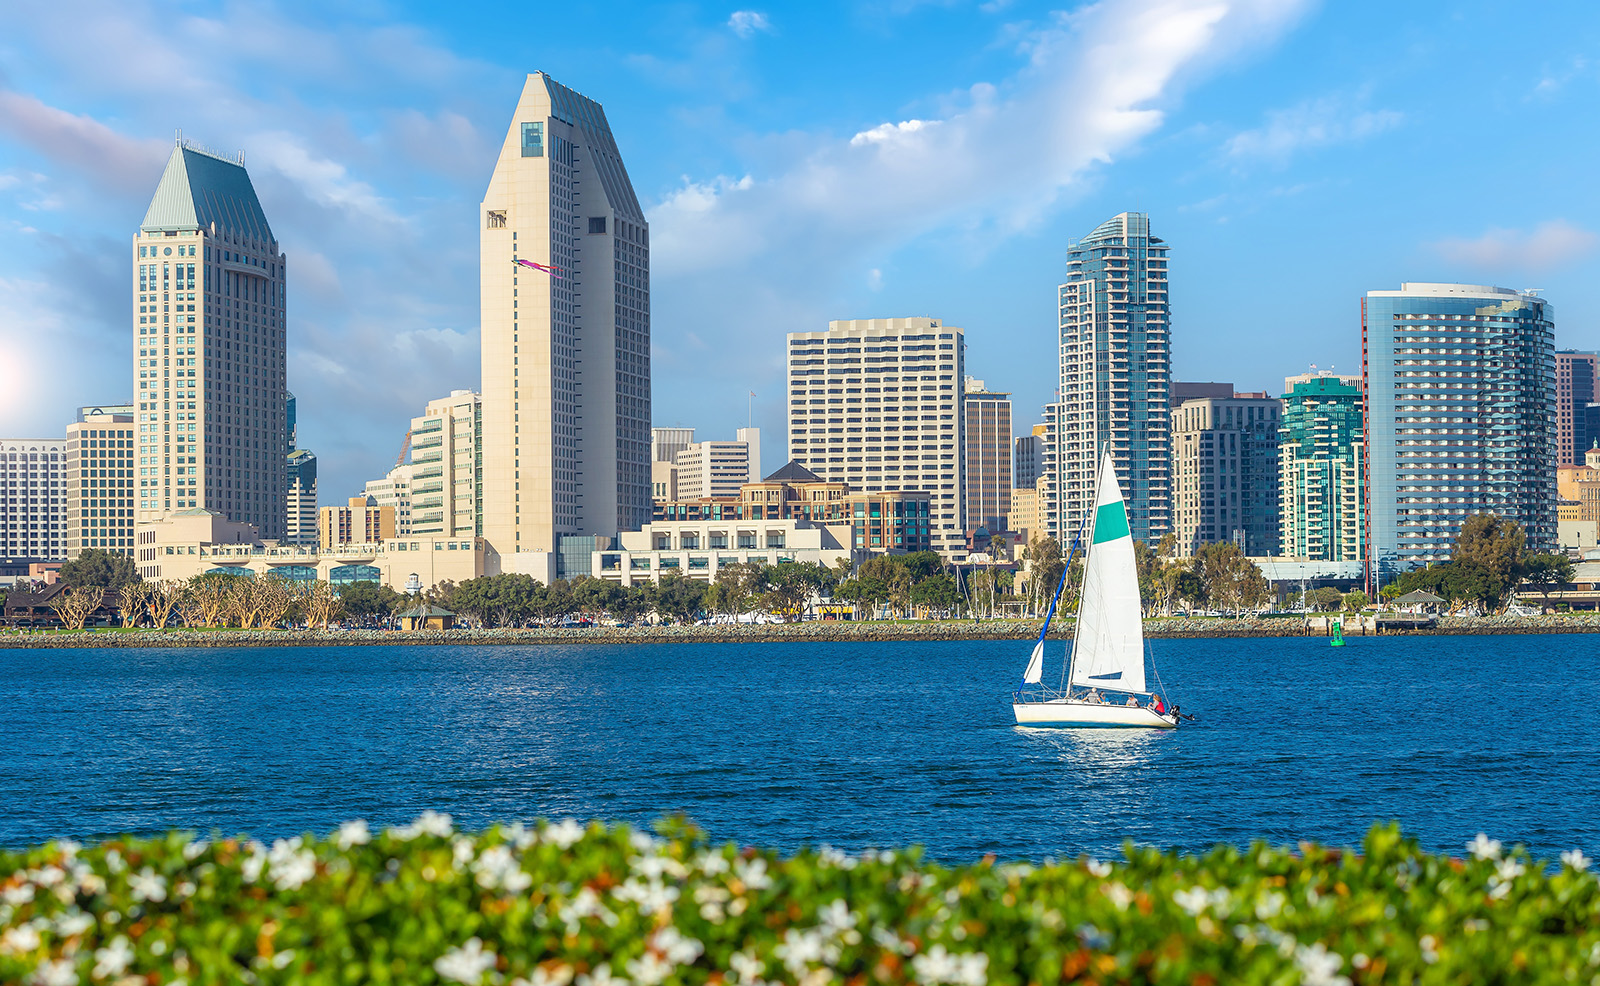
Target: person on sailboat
[1157, 704]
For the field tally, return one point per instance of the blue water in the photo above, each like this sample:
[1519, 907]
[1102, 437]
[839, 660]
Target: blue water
[782, 744]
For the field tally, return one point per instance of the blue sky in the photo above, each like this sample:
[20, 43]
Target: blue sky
[801, 163]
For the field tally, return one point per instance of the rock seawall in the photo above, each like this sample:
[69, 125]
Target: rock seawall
[1175, 627]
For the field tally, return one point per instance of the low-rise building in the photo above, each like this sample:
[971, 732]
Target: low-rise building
[362, 522]
[700, 548]
[394, 490]
[885, 522]
[193, 542]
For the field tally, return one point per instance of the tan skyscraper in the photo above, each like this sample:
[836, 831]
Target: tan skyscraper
[988, 449]
[566, 353]
[209, 384]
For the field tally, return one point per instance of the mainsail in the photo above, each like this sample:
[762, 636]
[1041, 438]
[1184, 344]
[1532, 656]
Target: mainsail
[1108, 649]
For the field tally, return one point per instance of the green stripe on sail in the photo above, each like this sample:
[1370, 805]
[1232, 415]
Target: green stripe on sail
[1110, 522]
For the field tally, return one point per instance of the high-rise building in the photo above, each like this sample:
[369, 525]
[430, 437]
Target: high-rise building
[209, 347]
[1116, 379]
[1461, 418]
[751, 437]
[566, 445]
[363, 521]
[99, 481]
[713, 469]
[666, 443]
[1577, 377]
[394, 490]
[1028, 459]
[301, 500]
[33, 500]
[447, 467]
[1320, 452]
[987, 434]
[876, 403]
[1225, 472]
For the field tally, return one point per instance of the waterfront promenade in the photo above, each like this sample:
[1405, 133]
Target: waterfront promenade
[817, 630]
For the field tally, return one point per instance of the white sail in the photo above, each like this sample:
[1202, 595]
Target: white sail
[1035, 665]
[1108, 648]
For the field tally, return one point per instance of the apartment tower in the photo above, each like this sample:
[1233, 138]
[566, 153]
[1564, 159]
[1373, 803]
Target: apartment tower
[1461, 419]
[876, 404]
[1577, 382]
[1225, 472]
[446, 491]
[33, 500]
[1320, 455]
[566, 435]
[209, 353]
[1115, 380]
[987, 433]
[99, 483]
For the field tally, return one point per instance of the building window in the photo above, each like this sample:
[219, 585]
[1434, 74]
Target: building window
[597, 224]
[533, 140]
[497, 219]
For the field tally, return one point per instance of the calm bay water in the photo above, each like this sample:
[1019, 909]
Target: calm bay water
[850, 744]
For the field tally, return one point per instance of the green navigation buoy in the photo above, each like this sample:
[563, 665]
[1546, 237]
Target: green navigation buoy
[1337, 629]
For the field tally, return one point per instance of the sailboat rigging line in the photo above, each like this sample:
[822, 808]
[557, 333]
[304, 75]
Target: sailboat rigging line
[1077, 539]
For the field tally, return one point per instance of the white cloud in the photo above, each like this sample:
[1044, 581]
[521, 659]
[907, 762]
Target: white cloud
[82, 142]
[1313, 123]
[746, 23]
[1548, 246]
[324, 181]
[884, 132]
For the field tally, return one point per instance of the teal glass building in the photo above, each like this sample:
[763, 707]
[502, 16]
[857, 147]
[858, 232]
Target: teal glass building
[1461, 418]
[1321, 446]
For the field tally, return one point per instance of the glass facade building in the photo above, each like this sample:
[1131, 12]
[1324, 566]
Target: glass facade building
[1577, 376]
[1116, 380]
[1461, 418]
[1320, 451]
[1225, 472]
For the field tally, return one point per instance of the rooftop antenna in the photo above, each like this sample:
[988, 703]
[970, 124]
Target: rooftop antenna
[750, 411]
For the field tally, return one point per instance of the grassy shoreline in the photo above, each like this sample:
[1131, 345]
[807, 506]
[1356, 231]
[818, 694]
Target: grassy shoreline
[812, 632]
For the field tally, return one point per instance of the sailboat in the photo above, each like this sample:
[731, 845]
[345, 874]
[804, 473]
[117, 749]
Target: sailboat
[1106, 667]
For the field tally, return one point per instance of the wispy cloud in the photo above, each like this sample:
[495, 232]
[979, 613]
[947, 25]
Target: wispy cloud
[1310, 124]
[1546, 247]
[748, 23]
[81, 142]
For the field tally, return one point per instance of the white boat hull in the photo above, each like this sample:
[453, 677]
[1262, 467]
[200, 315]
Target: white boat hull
[1067, 712]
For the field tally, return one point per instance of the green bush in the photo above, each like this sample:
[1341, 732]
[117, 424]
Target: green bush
[561, 904]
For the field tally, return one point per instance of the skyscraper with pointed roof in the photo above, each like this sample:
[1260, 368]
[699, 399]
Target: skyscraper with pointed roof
[209, 348]
[566, 352]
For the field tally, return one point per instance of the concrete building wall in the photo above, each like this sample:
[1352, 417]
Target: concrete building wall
[986, 431]
[666, 443]
[99, 484]
[447, 467]
[699, 549]
[713, 469]
[566, 354]
[877, 404]
[209, 341]
[394, 490]
[33, 500]
[1225, 472]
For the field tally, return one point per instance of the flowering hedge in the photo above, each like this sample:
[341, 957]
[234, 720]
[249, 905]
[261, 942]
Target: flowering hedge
[606, 906]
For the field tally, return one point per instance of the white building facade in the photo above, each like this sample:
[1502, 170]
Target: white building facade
[698, 549]
[33, 500]
[877, 404]
[446, 480]
[394, 490]
[99, 482]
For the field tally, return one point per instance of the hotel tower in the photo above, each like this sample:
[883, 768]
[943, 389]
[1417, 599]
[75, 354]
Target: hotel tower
[566, 351]
[208, 348]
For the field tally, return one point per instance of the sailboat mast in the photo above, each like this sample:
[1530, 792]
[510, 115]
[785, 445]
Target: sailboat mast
[1077, 623]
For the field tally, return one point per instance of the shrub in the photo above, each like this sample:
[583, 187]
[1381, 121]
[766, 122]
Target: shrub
[560, 904]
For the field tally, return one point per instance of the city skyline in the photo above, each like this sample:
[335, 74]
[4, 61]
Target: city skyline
[381, 223]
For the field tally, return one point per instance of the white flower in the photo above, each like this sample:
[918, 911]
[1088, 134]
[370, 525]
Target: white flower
[649, 969]
[73, 922]
[1192, 899]
[461, 851]
[565, 836]
[67, 848]
[753, 874]
[289, 865]
[149, 885]
[23, 938]
[1509, 869]
[496, 868]
[193, 850]
[353, 833]
[254, 863]
[16, 896]
[1575, 859]
[746, 966]
[642, 841]
[939, 966]
[650, 897]
[1429, 947]
[1099, 869]
[585, 905]
[522, 837]
[801, 948]
[601, 977]
[430, 822]
[466, 964]
[113, 960]
[1320, 967]
[1119, 895]
[58, 973]
[47, 876]
[561, 975]
[836, 919]
[1484, 847]
[676, 947]
[1270, 905]
[655, 867]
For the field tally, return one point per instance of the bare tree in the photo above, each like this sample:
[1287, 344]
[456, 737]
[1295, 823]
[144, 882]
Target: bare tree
[130, 602]
[209, 594]
[75, 606]
[273, 600]
[163, 599]
[321, 603]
